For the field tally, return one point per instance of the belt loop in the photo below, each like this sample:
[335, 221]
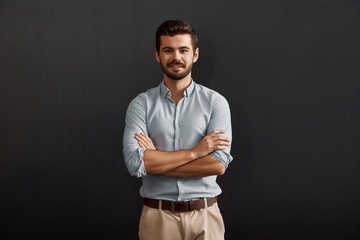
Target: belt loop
[205, 202]
[160, 204]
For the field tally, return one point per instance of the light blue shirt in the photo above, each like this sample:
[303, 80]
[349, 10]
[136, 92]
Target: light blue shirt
[174, 127]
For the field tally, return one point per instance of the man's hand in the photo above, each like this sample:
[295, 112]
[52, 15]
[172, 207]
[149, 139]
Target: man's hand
[210, 143]
[144, 141]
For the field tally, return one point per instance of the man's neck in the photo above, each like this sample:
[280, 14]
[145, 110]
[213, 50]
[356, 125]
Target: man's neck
[177, 87]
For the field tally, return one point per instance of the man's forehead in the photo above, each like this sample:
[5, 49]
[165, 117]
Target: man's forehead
[176, 40]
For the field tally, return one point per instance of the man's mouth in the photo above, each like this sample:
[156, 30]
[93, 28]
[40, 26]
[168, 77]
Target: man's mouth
[176, 65]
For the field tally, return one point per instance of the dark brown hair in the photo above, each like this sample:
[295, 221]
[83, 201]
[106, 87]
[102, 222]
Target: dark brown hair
[174, 27]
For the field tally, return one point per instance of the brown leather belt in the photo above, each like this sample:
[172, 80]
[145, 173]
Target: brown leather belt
[180, 206]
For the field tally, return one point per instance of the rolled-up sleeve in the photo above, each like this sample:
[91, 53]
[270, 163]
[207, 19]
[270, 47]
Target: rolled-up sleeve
[221, 119]
[134, 123]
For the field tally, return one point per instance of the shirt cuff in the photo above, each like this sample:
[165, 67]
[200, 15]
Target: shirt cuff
[222, 157]
[141, 172]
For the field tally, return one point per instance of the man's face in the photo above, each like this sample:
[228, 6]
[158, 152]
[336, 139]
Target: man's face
[176, 55]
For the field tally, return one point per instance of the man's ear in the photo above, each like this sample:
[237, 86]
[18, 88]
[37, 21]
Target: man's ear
[157, 56]
[196, 55]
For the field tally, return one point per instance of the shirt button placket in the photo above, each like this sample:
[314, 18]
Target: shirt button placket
[177, 130]
[177, 145]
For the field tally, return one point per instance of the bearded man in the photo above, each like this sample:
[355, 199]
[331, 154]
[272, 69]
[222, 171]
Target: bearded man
[177, 138]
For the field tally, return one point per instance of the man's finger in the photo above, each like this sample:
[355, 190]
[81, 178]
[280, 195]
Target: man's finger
[143, 137]
[140, 140]
[142, 145]
[216, 131]
[223, 143]
[223, 138]
[148, 140]
[219, 147]
[144, 141]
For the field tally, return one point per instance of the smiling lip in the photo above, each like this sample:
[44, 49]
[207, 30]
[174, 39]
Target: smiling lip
[176, 65]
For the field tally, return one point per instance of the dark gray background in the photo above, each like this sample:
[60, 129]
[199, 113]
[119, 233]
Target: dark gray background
[289, 69]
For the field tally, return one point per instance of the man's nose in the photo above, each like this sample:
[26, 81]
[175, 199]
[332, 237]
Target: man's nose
[177, 55]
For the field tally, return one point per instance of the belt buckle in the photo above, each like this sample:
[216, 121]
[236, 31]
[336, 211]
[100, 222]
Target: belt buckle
[173, 207]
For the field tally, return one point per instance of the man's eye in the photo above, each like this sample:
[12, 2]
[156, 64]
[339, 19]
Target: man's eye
[167, 51]
[184, 51]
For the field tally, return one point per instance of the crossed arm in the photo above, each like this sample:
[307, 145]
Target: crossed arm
[190, 163]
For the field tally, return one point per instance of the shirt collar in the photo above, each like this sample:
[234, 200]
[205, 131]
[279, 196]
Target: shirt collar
[165, 92]
[189, 89]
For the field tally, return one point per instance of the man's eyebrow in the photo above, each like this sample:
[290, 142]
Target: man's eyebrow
[183, 47]
[166, 48]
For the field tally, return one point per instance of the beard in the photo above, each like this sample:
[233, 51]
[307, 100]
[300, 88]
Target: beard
[175, 76]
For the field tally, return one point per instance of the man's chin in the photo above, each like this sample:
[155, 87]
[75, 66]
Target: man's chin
[176, 77]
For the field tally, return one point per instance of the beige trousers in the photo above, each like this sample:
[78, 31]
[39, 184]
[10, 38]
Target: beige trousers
[203, 224]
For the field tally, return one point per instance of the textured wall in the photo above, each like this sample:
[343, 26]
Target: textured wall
[289, 69]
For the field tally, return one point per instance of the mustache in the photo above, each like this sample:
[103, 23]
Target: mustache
[174, 62]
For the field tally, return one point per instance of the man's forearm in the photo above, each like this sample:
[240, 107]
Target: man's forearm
[159, 162]
[201, 167]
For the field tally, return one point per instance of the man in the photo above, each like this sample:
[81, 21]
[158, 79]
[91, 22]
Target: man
[177, 138]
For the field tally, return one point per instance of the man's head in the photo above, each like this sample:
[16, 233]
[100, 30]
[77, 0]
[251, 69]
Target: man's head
[176, 49]
[174, 27]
